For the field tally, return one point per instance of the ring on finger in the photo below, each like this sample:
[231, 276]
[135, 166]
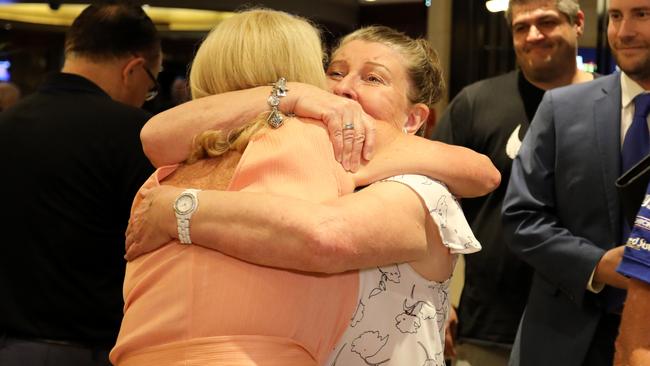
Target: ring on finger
[348, 126]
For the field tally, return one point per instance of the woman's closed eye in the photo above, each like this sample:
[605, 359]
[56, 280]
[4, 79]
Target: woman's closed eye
[335, 74]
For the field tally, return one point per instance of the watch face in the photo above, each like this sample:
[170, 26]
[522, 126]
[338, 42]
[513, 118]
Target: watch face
[184, 204]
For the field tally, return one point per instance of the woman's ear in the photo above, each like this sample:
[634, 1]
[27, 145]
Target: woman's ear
[417, 115]
[430, 125]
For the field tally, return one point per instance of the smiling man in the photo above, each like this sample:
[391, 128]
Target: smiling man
[629, 38]
[545, 37]
[562, 209]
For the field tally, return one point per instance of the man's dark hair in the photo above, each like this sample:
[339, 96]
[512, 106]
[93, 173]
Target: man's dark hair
[112, 30]
[570, 8]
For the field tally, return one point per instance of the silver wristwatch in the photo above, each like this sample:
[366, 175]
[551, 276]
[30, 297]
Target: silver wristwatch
[184, 206]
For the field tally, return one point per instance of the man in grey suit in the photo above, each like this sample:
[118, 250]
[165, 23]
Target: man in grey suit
[562, 209]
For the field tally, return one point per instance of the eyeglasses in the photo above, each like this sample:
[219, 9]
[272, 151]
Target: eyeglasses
[153, 91]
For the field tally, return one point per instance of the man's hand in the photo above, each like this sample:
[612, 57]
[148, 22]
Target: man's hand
[450, 334]
[351, 144]
[153, 222]
[606, 269]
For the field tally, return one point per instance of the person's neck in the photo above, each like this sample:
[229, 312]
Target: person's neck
[103, 74]
[644, 83]
[573, 77]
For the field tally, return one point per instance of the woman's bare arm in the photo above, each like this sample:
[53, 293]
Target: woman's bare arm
[384, 223]
[466, 172]
[167, 137]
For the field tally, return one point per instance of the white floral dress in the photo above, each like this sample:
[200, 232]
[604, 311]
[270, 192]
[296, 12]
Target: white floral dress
[400, 317]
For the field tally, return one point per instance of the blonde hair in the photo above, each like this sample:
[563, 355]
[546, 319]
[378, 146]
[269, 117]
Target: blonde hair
[422, 64]
[250, 49]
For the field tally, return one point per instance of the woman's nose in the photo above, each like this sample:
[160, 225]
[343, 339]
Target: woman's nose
[345, 88]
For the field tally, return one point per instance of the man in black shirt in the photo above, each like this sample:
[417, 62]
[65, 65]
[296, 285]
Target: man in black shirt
[73, 162]
[491, 117]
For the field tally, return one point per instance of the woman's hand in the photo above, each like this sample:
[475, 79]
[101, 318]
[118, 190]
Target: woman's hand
[152, 223]
[350, 144]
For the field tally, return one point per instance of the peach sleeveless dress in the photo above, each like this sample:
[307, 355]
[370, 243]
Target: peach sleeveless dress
[186, 305]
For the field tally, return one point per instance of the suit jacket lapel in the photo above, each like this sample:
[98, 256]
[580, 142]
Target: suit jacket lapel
[607, 124]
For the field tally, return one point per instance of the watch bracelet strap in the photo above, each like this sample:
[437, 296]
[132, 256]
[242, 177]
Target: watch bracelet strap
[184, 231]
[183, 224]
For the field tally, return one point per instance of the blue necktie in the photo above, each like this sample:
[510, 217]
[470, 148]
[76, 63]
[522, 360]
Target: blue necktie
[636, 144]
[637, 140]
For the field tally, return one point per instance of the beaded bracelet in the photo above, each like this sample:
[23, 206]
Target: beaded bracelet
[279, 90]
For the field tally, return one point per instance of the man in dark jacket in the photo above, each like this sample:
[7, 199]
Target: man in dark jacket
[73, 162]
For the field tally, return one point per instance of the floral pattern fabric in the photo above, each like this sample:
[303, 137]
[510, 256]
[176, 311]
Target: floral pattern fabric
[400, 316]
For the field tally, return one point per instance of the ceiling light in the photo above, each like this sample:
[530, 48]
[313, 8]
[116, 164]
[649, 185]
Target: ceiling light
[170, 19]
[496, 6]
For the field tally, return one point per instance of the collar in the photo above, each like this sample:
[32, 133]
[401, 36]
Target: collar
[629, 90]
[62, 81]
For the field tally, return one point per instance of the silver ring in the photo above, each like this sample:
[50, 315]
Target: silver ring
[348, 126]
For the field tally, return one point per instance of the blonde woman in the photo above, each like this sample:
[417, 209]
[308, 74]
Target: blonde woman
[221, 310]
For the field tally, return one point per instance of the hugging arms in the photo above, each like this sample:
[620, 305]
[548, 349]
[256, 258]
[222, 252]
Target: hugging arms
[354, 231]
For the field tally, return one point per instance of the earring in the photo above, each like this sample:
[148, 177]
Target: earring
[405, 130]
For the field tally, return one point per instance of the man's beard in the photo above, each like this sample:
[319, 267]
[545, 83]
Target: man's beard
[635, 69]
